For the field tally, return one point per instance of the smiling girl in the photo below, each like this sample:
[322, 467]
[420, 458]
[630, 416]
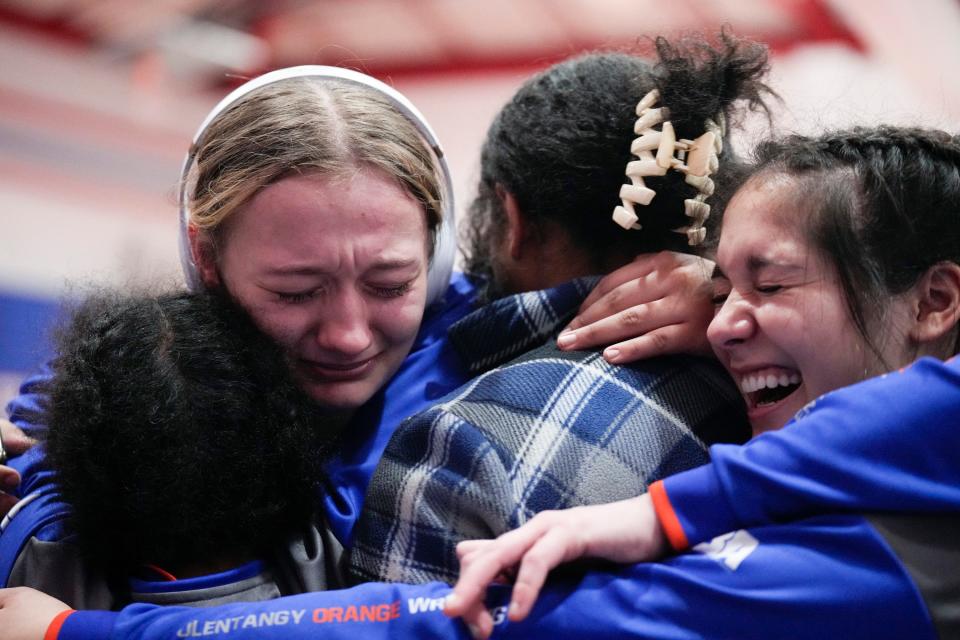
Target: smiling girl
[838, 260]
[820, 284]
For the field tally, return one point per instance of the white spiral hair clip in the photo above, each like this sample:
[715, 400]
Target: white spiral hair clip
[660, 151]
[445, 244]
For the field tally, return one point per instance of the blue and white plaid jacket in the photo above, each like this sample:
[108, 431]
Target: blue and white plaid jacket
[547, 430]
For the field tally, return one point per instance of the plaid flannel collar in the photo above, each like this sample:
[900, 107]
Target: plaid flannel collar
[505, 328]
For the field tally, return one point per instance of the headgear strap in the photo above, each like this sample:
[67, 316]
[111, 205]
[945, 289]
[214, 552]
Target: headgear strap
[660, 151]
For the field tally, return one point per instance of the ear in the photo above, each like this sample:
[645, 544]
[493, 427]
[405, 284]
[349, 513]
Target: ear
[204, 256]
[937, 305]
[518, 228]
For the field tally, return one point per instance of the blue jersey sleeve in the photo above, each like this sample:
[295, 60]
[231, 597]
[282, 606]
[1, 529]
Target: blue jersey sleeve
[40, 512]
[25, 409]
[370, 611]
[26, 412]
[826, 577]
[886, 444]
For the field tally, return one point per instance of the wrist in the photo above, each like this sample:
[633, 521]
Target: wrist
[657, 543]
[626, 531]
[53, 631]
[665, 520]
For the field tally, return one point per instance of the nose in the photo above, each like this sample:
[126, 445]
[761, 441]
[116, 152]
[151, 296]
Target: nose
[344, 329]
[732, 325]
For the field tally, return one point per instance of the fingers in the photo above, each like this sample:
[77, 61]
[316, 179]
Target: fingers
[633, 293]
[477, 571]
[483, 560]
[680, 278]
[7, 502]
[549, 551]
[15, 441]
[639, 268]
[622, 325]
[676, 324]
[469, 590]
[623, 531]
[468, 546]
[9, 480]
[479, 621]
[539, 546]
[667, 340]
[648, 277]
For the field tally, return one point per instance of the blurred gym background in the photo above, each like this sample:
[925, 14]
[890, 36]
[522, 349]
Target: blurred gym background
[100, 98]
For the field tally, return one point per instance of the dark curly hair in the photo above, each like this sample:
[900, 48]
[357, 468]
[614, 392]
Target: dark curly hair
[177, 433]
[562, 143]
[882, 204]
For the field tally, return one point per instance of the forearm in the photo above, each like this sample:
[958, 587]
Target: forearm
[792, 577]
[368, 611]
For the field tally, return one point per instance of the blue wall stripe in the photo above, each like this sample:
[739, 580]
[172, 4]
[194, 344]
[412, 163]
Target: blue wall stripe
[25, 324]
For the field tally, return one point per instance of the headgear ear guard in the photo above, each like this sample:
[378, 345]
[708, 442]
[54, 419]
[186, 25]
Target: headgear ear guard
[444, 244]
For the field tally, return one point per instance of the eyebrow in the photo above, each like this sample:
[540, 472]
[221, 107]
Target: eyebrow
[754, 264]
[307, 270]
[390, 265]
[296, 271]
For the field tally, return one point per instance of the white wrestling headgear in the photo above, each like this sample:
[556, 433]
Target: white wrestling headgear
[445, 244]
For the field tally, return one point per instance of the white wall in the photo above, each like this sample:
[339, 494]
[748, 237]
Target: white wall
[89, 155]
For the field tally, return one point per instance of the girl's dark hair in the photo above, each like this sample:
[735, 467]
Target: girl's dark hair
[882, 204]
[562, 143]
[176, 432]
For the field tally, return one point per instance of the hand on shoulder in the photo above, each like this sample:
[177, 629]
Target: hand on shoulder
[660, 303]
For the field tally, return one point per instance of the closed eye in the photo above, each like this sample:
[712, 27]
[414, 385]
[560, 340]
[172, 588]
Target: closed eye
[296, 296]
[721, 288]
[391, 291]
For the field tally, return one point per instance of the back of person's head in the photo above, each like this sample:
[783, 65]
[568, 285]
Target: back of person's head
[177, 434]
[881, 204]
[307, 124]
[561, 145]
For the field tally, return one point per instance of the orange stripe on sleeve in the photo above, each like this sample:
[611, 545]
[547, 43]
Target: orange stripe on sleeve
[54, 629]
[162, 573]
[667, 517]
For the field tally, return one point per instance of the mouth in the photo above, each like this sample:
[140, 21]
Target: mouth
[765, 388]
[335, 371]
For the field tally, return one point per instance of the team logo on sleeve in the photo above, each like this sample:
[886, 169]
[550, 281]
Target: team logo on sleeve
[730, 549]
